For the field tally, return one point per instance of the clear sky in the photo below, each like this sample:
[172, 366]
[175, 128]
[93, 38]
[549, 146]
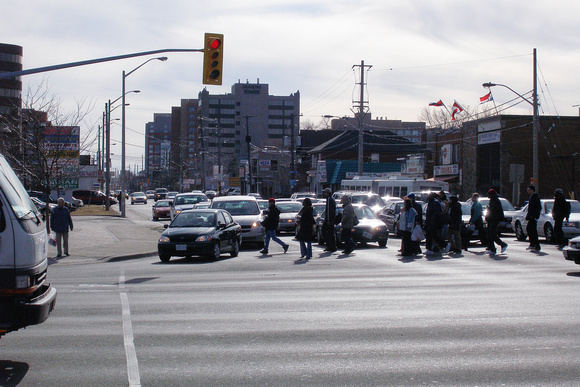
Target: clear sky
[420, 51]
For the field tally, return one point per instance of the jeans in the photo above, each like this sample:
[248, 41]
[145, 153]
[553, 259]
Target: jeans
[271, 234]
[306, 249]
[492, 237]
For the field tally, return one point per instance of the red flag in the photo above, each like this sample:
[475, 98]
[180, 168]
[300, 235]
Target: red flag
[439, 103]
[486, 98]
[455, 110]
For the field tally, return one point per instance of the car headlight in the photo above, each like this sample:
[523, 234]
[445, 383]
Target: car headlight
[177, 212]
[164, 239]
[255, 224]
[204, 238]
[380, 228]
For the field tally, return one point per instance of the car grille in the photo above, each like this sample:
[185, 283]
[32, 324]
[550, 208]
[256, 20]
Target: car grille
[247, 228]
[183, 238]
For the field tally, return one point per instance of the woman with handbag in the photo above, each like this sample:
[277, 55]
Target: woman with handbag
[406, 225]
[305, 231]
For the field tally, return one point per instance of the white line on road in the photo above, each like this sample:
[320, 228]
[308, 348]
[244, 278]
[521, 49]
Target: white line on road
[132, 363]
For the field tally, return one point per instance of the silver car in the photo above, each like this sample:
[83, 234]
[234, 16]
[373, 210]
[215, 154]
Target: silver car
[186, 201]
[246, 212]
[545, 227]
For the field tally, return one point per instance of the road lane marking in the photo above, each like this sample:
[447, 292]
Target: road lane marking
[130, 353]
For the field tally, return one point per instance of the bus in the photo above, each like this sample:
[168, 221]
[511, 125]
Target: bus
[395, 186]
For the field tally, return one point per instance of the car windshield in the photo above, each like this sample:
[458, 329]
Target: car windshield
[136, 194]
[163, 203]
[194, 219]
[193, 199]
[289, 206]
[239, 207]
[364, 213]
[14, 192]
[465, 209]
[574, 207]
[505, 204]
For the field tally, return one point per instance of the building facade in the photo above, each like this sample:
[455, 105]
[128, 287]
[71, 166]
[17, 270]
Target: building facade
[10, 88]
[157, 150]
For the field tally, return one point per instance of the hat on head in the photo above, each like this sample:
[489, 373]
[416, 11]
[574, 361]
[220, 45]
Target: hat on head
[491, 192]
[272, 200]
[327, 190]
[411, 196]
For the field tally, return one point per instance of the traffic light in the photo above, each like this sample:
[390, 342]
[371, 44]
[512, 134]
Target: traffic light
[213, 59]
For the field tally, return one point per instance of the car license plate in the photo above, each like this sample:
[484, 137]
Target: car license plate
[367, 235]
[181, 247]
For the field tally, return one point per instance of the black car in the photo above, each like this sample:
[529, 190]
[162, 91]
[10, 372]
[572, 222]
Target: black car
[160, 193]
[208, 232]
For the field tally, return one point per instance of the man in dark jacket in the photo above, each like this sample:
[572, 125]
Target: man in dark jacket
[534, 210]
[493, 217]
[416, 245]
[455, 223]
[329, 221]
[433, 227]
[271, 225]
[60, 221]
[560, 211]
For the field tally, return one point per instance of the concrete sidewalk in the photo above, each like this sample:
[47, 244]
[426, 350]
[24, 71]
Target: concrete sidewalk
[109, 238]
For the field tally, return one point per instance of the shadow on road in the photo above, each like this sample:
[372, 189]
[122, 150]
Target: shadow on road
[12, 372]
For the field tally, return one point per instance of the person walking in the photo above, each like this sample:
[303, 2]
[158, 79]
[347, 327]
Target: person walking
[305, 231]
[348, 222]
[60, 223]
[534, 210]
[493, 217]
[329, 221]
[406, 224]
[477, 220]
[433, 230]
[271, 225]
[416, 245]
[444, 217]
[560, 211]
[455, 223]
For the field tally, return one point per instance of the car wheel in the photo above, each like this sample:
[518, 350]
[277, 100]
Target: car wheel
[155, 219]
[520, 232]
[235, 249]
[383, 244]
[164, 257]
[549, 233]
[216, 253]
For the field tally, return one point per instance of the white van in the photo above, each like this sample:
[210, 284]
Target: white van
[25, 296]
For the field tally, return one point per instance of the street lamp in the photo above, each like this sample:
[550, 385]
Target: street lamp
[535, 120]
[123, 179]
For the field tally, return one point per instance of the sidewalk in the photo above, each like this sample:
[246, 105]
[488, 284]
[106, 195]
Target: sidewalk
[109, 238]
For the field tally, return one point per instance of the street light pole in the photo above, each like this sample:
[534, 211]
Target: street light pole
[248, 141]
[535, 120]
[123, 172]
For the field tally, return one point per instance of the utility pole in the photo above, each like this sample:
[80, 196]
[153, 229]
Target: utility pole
[108, 156]
[219, 151]
[535, 127]
[361, 113]
[248, 141]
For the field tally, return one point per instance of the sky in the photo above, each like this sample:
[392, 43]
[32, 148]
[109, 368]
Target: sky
[421, 51]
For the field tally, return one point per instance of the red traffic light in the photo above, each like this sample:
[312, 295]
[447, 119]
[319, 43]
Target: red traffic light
[212, 59]
[215, 43]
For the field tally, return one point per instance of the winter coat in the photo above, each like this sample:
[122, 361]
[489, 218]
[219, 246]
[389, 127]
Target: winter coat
[476, 212]
[348, 216]
[272, 218]
[494, 210]
[455, 213]
[305, 231]
[561, 209]
[330, 210]
[407, 220]
[534, 207]
[60, 220]
[432, 215]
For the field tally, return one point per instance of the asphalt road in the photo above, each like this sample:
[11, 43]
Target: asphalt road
[372, 318]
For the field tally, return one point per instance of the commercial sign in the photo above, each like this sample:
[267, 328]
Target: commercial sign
[446, 153]
[488, 138]
[443, 170]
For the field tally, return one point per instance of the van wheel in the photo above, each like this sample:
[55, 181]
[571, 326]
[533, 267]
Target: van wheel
[164, 257]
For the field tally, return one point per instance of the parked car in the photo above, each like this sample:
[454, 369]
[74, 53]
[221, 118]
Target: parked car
[161, 209]
[92, 197]
[138, 197]
[288, 212]
[390, 216]
[160, 193]
[41, 206]
[546, 222]
[200, 232]
[263, 203]
[186, 201]
[508, 212]
[369, 229]
[572, 251]
[246, 212]
[42, 196]
[150, 194]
